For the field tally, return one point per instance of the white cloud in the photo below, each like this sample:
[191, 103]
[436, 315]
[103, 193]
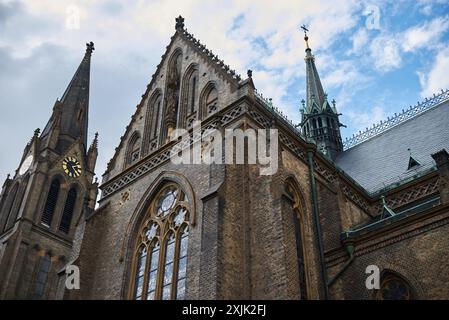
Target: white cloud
[427, 34]
[437, 78]
[359, 40]
[387, 49]
[385, 53]
[130, 39]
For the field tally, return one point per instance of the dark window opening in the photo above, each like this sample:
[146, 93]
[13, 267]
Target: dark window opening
[50, 204]
[412, 163]
[68, 211]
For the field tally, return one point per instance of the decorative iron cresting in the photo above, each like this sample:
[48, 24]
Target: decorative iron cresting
[405, 115]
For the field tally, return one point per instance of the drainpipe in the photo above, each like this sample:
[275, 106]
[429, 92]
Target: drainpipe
[317, 222]
[350, 251]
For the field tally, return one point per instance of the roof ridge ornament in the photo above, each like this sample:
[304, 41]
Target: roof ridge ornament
[179, 23]
[207, 52]
[397, 119]
[90, 47]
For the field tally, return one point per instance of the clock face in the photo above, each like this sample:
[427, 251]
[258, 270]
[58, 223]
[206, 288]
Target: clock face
[72, 167]
[26, 164]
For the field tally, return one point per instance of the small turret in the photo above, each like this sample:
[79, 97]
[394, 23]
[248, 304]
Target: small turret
[319, 118]
[92, 154]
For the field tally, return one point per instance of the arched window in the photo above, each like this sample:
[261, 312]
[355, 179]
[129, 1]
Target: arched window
[193, 92]
[50, 203]
[8, 207]
[320, 123]
[212, 101]
[313, 123]
[328, 124]
[67, 214]
[171, 94]
[133, 151]
[156, 116]
[17, 203]
[393, 287]
[298, 224]
[160, 261]
[41, 277]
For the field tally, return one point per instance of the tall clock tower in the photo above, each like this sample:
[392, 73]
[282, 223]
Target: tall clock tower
[50, 192]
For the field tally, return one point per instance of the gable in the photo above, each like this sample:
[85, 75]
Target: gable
[216, 85]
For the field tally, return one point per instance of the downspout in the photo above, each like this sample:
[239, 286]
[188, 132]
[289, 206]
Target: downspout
[317, 222]
[350, 251]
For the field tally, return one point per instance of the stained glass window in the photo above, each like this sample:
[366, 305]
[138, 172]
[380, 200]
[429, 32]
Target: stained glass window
[140, 272]
[152, 272]
[161, 257]
[182, 265]
[394, 288]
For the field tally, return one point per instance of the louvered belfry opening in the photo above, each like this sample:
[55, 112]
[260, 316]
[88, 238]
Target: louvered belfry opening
[69, 207]
[50, 204]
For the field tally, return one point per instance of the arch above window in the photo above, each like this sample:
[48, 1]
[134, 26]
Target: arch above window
[209, 100]
[133, 149]
[8, 207]
[297, 202]
[172, 90]
[393, 287]
[189, 96]
[69, 208]
[193, 92]
[160, 257]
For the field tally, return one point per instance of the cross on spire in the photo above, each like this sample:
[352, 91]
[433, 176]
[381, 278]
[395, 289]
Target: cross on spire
[303, 27]
[90, 47]
[306, 38]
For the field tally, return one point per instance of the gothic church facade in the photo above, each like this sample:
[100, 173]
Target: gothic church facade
[223, 231]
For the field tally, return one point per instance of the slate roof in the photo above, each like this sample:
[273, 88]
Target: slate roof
[383, 159]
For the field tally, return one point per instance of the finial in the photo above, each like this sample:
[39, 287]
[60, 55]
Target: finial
[333, 102]
[95, 141]
[306, 38]
[303, 102]
[249, 73]
[179, 23]
[7, 177]
[90, 47]
[36, 132]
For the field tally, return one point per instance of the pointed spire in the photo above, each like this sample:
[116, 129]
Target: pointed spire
[94, 143]
[315, 92]
[319, 119]
[70, 113]
[93, 153]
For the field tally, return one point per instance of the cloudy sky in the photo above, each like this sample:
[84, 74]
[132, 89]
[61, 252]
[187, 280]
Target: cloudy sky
[374, 58]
